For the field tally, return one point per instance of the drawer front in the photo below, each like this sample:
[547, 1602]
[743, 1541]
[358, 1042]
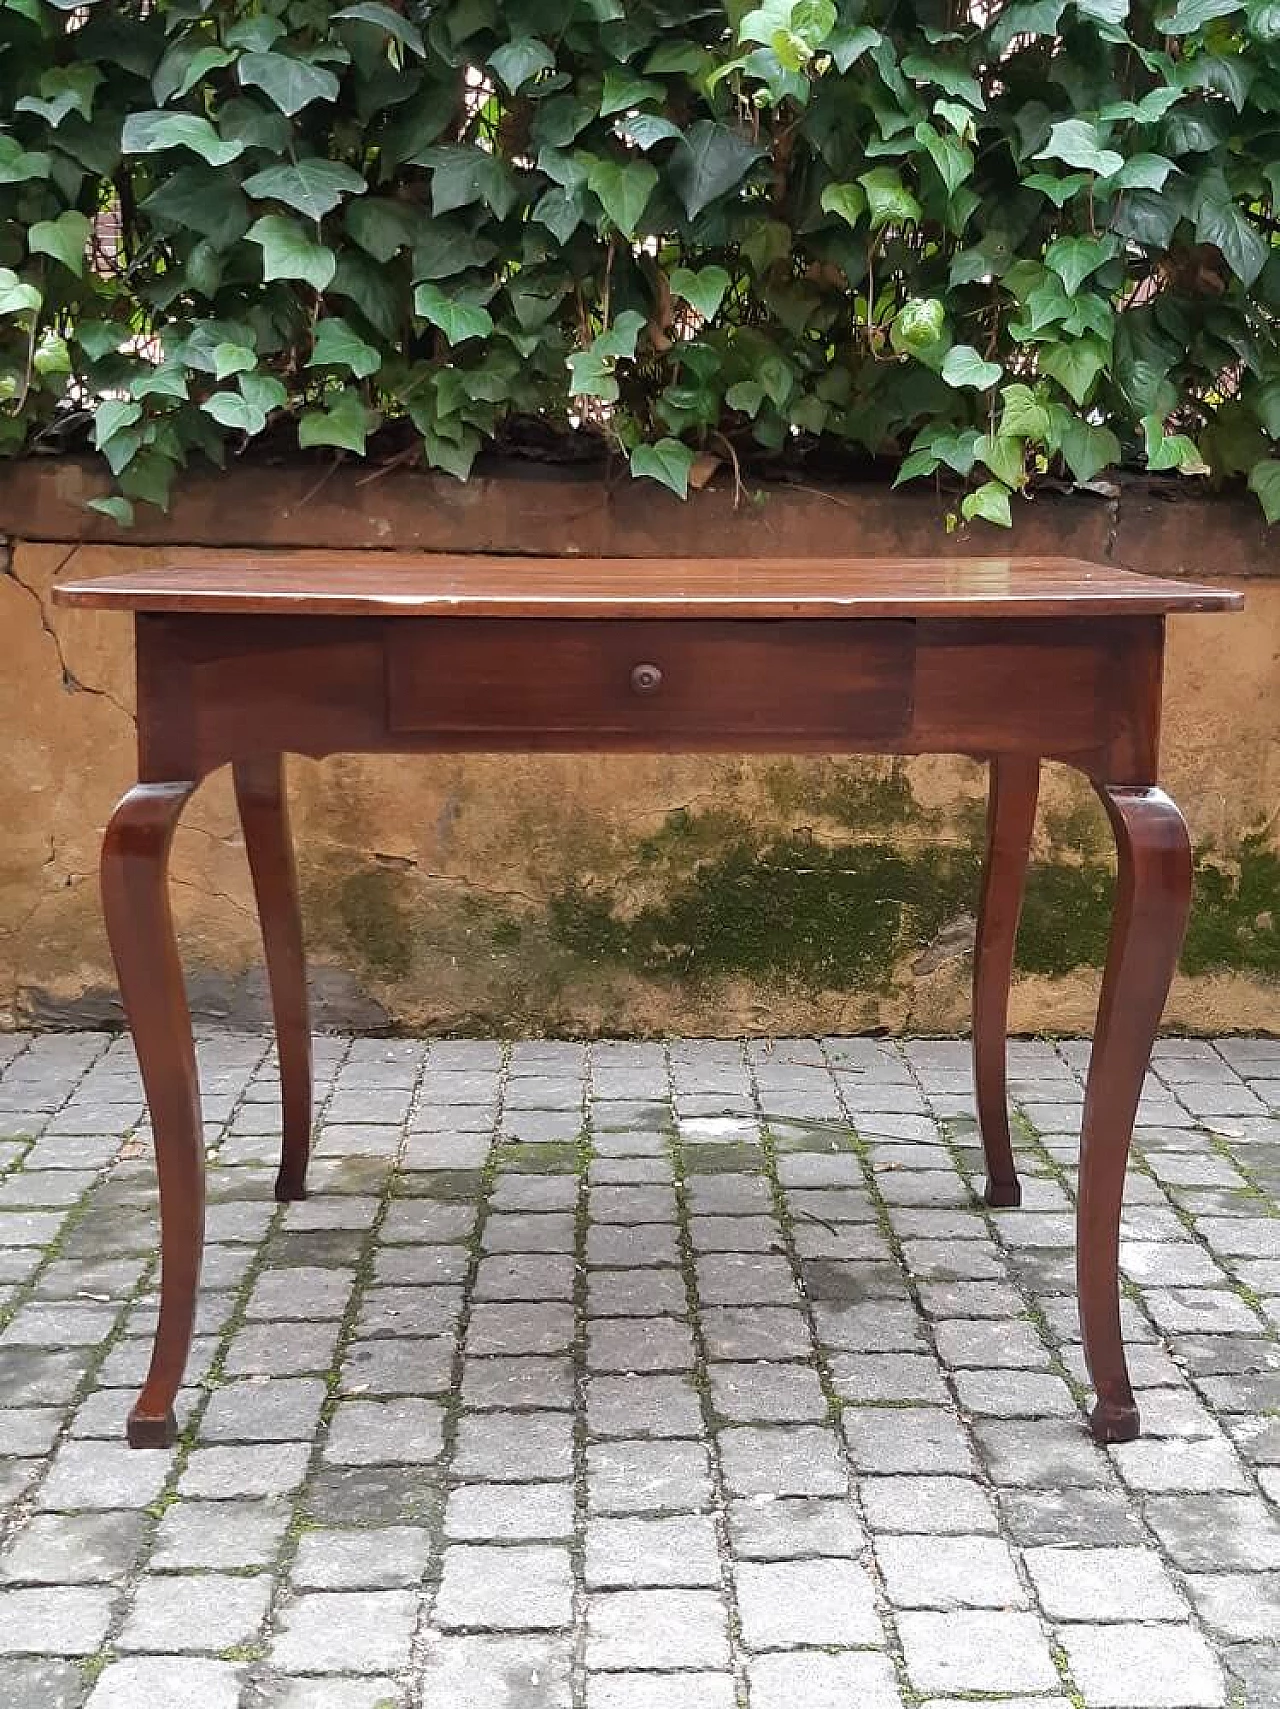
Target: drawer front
[695, 683]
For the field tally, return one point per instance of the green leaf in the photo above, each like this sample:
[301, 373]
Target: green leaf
[288, 253]
[953, 159]
[989, 503]
[113, 416]
[339, 345]
[381, 225]
[16, 296]
[1005, 456]
[623, 189]
[919, 327]
[847, 201]
[63, 90]
[1171, 450]
[1225, 225]
[183, 66]
[711, 161]
[1264, 480]
[313, 186]
[946, 74]
[347, 423]
[1140, 172]
[1191, 15]
[669, 462]
[230, 358]
[622, 337]
[890, 201]
[152, 132]
[964, 367]
[168, 380]
[623, 90]
[1023, 415]
[232, 409]
[1058, 190]
[561, 211]
[198, 198]
[704, 290]
[517, 62]
[66, 239]
[1087, 448]
[1075, 364]
[1074, 258]
[592, 376]
[647, 130]
[1076, 142]
[119, 510]
[457, 321]
[463, 176]
[17, 166]
[387, 18]
[290, 83]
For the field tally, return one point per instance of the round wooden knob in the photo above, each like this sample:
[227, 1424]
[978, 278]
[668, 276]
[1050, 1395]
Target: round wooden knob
[646, 679]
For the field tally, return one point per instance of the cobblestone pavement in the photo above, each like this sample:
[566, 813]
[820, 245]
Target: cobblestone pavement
[638, 1378]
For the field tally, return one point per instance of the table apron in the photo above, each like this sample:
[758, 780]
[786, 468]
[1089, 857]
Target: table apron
[213, 689]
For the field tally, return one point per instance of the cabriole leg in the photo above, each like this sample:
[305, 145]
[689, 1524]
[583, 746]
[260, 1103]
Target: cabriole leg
[135, 863]
[1153, 896]
[1011, 812]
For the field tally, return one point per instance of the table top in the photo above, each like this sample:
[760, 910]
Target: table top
[393, 584]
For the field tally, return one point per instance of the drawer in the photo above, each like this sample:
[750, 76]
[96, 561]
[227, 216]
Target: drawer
[689, 684]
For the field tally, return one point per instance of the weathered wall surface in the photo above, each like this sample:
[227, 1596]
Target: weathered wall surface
[619, 894]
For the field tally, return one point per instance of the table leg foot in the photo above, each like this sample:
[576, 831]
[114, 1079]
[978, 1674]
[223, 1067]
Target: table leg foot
[1003, 1195]
[147, 1432]
[264, 818]
[135, 895]
[1011, 812]
[1114, 1421]
[1153, 895]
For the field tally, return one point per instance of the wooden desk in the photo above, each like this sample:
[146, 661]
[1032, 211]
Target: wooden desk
[242, 659]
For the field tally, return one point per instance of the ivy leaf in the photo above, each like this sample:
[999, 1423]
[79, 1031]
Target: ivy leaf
[847, 201]
[623, 90]
[232, 409]
[63, 89]
[711, 161]
[288, 253]
[1074, 258]
[989, 503]
[704, 290]
[1264, 480]
[890, 201]
[623, 189]
[381, 225]
[113, 416]
[313, 186]
[1087, 448]
[339, 345]
[953, 159]
[119, 510]
[1191, 15]
[1171, 450]
[647, 130]
[669, 461]
[1005, 456]
[168, 380]
[1023, 415]
[1140, 172]
[387, 18]
[964, 367]
[592, 376]
[230, 358]
[66, 239]
[622, 337]
[1075, 364]
[183, 66]
[290, 83]
[347, 424]
[1076, 142]
[18, 166]
[1224, 224]
[519, 61]
[561, 211]
[457, 321]
[946, 74]
[152, 132]
[463, 176]
[16, 296]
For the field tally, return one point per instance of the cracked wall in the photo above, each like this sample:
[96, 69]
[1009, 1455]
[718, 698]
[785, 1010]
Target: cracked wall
[626, 894]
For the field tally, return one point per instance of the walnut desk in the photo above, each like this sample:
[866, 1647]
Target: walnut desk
[244, 658]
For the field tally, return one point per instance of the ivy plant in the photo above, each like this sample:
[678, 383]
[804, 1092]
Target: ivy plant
[991, 246]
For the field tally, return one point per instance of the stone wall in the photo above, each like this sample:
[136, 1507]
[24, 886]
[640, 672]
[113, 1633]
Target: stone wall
[615, 894]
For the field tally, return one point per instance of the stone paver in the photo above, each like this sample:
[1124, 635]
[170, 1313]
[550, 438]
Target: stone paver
[733, 1393]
